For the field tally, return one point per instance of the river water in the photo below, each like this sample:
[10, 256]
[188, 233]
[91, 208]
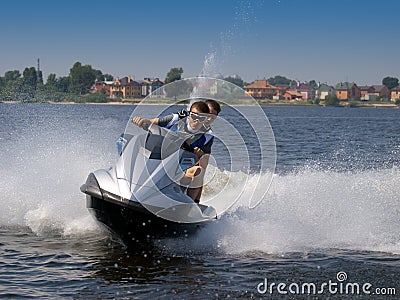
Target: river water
[331, 217]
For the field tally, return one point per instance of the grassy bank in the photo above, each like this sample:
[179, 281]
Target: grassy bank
[351, 103]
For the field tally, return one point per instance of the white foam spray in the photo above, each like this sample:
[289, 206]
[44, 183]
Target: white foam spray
[40, 180]
[309, 210]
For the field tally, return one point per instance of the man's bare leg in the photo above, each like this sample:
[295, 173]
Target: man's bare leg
[196, 186]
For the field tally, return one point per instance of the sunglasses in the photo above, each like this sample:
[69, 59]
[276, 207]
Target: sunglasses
[197, 118]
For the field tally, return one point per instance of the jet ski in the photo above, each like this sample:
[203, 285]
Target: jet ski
[142, 196]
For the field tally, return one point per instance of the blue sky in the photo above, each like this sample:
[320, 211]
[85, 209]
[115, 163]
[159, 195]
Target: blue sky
[327, 40]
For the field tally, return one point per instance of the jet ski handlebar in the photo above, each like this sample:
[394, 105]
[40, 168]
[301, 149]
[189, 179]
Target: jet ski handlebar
[155, 129]
[146, 125]
[178, 138]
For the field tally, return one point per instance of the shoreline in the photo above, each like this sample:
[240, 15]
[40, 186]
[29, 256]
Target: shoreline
[261, 103]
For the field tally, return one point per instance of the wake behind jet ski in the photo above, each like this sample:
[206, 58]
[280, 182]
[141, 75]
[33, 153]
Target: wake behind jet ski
[141, 196]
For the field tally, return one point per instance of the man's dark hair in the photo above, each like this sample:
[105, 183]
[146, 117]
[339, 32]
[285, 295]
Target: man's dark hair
[214, 104]
[201, 107]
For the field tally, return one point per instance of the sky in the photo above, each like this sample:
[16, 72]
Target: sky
[324, 40]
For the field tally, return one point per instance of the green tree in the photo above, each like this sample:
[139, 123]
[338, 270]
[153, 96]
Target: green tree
[18, 90]
[390, 82]
[281, 81]
[313, 84]
[57, 84]
[98, 97]
[235, 80]
[331, 100]
[108, 77]
[179, 89]
[51, 80]
[103, 77]
[30, 77]
[12, 75]
[63, 84]
[81, 78]
[173, 75]
[99, 75]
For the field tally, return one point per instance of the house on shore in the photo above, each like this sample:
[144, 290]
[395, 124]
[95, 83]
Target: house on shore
[151, 86]
[281, 92]
[125, 87]
[324, 91]
[100, 85]
[347, 91]
[395, 93]
[261, 89]
[381, 91]
[292, 95]
[366, 92]
[306, 90]
[373, 92]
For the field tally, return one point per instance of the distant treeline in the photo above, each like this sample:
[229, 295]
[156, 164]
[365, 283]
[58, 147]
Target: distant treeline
[29, 86]
[76, 87]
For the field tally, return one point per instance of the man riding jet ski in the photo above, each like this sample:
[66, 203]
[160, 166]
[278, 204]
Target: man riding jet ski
[142, 195]
[197, 124]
